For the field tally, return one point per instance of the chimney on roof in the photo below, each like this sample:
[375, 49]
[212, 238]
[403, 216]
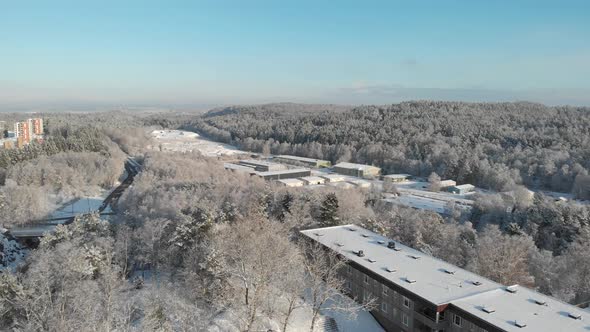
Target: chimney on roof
[391, 245]
[360, 253]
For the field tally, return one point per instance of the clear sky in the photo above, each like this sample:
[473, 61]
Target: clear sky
[191, 53]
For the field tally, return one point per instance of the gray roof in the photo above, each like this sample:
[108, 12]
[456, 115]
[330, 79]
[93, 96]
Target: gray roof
[355, 166]
[432, 282]
[238, 167]
[442, 283]
[284, 171]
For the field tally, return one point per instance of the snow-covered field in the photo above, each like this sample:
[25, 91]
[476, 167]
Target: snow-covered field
[186, 141]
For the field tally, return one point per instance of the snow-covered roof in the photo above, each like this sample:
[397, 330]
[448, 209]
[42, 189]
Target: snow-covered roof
[291, 181]
[312, 179]
[465, 186]
[432, 282]
[355, 166]
[439, 283]
[535, 310]
[297, 158]
[397, 176]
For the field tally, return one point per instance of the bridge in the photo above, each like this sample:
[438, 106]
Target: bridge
[38, 228]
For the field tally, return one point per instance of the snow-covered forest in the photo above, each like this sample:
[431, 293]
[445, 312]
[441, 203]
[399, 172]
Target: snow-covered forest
[196, 247]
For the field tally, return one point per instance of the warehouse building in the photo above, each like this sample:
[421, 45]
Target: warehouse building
[461, 189]
[285, 174]
[360, 183]
[309, 162]
[291, 182]
[444, 184]
[312, 180]
[417, 292]
[239, 168]
[397, 177]
[330, 178]
[358, 170]
[262, 166]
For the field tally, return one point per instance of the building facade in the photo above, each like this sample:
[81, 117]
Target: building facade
[309, 162]
[358, 170]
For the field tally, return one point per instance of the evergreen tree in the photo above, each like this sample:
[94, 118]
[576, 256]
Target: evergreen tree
[329, 210]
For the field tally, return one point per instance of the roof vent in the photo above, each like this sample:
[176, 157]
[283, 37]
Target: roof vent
[360, 253]
[447, 271]
[352, 229]
[415, 256]
[318, 234]
[519, 324]
[390, 269]
[339, 244]
[511, 289]
[476, 283]
[371, 260]
[410, 280]
[397, 249]
[488, 310]
[574, 315]
[541, 302]
[381, 242]
[365, 235]
[391, 245]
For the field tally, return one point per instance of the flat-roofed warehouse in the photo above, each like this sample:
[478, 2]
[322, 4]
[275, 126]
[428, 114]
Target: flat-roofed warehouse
[447, 183]
[291, 182]
[396, 177]
[239, 168]
[311, 180]
[330, 178]
[461, 189]
[285, 174]
[417, 292]
[262, 166]
[358, 170]
[310, 162]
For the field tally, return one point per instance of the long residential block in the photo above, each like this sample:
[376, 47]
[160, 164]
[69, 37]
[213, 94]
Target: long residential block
[417, 292]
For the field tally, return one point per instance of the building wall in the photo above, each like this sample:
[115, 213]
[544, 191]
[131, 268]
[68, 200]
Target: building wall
[37, 126]
[396, 309]
[367, 172]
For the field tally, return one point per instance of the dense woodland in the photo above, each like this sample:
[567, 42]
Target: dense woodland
[195, 247]
[490, 145]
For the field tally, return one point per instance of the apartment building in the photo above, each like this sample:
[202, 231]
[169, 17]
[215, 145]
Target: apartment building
[417, 292]
[28, 129]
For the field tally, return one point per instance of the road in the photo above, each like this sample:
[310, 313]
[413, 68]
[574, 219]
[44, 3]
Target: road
[40, 227]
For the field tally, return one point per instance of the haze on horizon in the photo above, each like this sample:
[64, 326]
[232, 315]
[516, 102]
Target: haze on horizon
[73, 55]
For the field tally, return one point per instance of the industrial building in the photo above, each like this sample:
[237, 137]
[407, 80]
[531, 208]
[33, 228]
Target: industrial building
[291, 182]
[285, 174]
[239, 168]
[444, 184]
[311, 180]
[330, 178]
[461, 189]
[309, 162]
[417, 292]
[360, 183]
[358, 170]
[396, 177]
[262, 166]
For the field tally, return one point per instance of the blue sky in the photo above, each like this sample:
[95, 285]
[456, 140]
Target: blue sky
[194, 53]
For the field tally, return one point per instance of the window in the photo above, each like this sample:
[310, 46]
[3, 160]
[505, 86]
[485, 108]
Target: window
[405, 319]
[407, 302]
[458, 320]
[384, 307]
[385, 290]
[349, 269]
[348, 286]
[366, 277]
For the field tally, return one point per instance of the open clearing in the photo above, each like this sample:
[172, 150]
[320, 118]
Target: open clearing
[186, 141]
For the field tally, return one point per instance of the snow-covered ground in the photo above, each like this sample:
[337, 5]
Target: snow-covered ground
[186, 141]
